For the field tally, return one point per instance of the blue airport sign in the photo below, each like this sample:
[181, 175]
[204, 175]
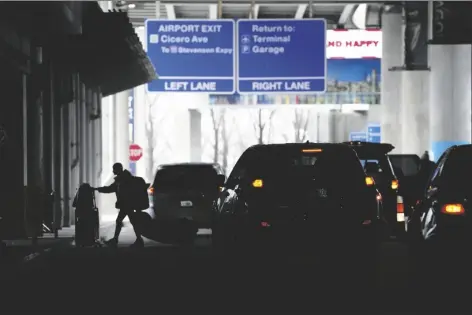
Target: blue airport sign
[281, 56]
[358, 136]
[192, 55]
[374, 133]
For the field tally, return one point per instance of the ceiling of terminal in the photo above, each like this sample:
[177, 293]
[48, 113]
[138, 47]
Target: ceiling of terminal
[338, 14]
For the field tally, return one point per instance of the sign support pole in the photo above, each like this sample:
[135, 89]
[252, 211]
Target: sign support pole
[220, 9]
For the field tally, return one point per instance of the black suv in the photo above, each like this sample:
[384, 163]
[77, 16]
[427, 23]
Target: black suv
[311, 195]
[442, 213]
[375, 160]
[186, 192]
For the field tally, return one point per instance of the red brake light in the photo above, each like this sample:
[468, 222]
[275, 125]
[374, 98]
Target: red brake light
[312, 150]
[453, 209]
[265, 224]
[400, 209]
[400, 206]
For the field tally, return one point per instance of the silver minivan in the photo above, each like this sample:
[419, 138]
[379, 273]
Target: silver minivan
[186, 192]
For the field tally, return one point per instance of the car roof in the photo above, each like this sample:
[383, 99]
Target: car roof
[300, 146]
[465, 146]
[215, 166]
[370, 147]
[462, 148]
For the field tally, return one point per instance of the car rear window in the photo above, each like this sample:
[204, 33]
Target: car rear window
[374, 164]
[339, 165]
[408, 164]
[185, 178]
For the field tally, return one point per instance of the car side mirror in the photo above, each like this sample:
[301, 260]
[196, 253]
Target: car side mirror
[221, 179]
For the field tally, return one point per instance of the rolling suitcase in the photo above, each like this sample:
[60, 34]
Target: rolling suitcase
[87, 225]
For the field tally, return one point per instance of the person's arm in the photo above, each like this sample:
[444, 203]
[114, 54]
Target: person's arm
[107, 189]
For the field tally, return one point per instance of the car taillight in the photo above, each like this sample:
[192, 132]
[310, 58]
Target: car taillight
[400, 209]
[369, 181]
[395, 184]
[257, 183]
[453, 209]
[265, 224]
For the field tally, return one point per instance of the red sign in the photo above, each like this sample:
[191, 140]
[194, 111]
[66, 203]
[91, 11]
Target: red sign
[135, 152]
[354, 44]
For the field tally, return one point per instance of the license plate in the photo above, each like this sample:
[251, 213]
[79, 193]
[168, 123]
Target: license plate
[186, 203]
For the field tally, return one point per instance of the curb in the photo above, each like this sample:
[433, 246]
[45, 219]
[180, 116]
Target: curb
[61, 242]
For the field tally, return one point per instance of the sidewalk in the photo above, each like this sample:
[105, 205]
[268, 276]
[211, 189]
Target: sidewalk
[23, 250]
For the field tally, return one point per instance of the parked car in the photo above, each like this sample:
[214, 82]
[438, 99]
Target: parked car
[185, 193]
[377, 165]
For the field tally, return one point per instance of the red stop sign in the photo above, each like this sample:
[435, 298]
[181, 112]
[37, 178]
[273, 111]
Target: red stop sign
[135, 152]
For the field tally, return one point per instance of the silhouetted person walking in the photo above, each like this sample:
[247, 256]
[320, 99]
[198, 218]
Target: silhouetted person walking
[122, 186]
[425, 169]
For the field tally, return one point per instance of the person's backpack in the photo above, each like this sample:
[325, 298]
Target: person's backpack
[140, 193]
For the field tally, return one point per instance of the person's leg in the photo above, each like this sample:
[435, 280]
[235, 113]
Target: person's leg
[133, 218]
[119, 225]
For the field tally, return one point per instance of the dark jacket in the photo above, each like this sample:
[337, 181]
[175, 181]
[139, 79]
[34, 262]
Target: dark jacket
[122, 187]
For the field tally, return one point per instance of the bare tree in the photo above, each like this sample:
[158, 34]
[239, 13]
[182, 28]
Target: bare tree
[162, 145]
[154, 142]
[226, 135]
[300, 125]
[217, 120]
[150, 134]
[241, 141]
[221, 138]
[261, 124]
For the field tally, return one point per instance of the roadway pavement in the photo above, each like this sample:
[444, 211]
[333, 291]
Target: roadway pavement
[194, 279]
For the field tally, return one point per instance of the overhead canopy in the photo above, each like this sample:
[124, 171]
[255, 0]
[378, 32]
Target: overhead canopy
[109, 53]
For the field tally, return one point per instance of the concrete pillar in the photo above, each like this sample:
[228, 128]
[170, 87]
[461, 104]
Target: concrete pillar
[140, 135]
[65, 164]
[81, 135]
[74, 125]
[450, 97]
[195, 135]
[108, 146]
[391, 80]
[89, 123]
[54, 150]
[415, 112]
[93, 139]
[121, 134]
